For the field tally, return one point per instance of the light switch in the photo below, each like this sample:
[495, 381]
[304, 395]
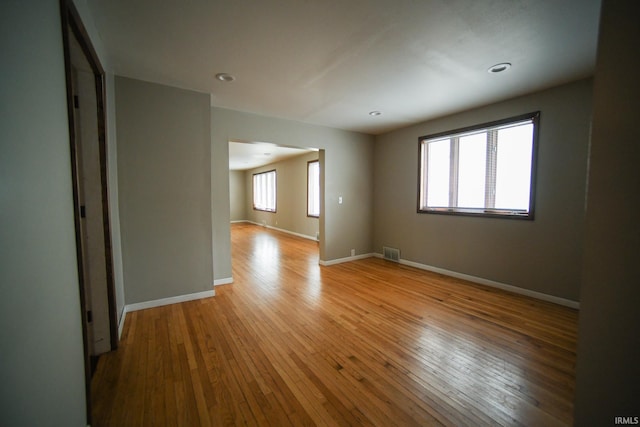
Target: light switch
[339, 200]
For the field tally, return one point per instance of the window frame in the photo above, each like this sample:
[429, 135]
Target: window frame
[275, 191]
[534, 117]
[308, 166]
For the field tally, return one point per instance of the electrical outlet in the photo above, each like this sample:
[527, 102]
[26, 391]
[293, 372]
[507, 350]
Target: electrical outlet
[353, 252]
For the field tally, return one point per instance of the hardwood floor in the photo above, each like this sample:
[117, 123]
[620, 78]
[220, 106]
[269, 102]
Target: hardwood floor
[369, 343]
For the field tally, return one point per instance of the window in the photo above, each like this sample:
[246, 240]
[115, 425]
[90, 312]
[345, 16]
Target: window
[264, 191]
[486, 170]
[313, 188]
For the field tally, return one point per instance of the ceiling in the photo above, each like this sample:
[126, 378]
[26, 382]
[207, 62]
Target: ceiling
[243, 156]
[331, 62]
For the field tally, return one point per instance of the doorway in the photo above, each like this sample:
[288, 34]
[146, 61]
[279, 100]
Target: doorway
[284, 172]
[86, 112]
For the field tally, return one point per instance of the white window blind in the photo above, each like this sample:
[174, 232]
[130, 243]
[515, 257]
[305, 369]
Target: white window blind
[313, 188]
[264, 191]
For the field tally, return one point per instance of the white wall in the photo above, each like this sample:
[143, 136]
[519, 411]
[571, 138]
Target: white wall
[41, 353]
[164, 190]
[608, 368]
[543, 255]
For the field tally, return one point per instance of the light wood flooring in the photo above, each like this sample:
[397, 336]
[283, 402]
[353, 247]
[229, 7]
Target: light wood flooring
[369, 343]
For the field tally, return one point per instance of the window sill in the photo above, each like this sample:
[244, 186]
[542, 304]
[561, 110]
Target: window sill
[486, 213]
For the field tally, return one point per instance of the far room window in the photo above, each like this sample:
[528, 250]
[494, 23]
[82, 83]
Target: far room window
[313, 188]
[486, 170]
[264, 191]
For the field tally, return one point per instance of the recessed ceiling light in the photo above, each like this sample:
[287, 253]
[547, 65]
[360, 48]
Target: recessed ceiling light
[375, 113]
[225, 77]
[498, 68]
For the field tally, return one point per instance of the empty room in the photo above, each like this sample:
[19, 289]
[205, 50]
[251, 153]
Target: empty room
[280, 213]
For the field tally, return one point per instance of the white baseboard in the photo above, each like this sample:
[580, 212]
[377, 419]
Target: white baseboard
[223, 281]
[160, 302]
[304, 236]
[491, 283]
[347, 259]
[167, 301]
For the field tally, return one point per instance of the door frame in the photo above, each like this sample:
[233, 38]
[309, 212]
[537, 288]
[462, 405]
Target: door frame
[71, 23]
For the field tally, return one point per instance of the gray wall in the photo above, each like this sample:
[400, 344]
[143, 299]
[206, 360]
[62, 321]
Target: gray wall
[291, 193]
[165, 190]
[543, 255]
[348, 173]
[41, 355]
[608, 373]
[237, 196]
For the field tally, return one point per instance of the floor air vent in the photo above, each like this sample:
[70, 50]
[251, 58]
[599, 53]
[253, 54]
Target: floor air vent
[391, 254]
